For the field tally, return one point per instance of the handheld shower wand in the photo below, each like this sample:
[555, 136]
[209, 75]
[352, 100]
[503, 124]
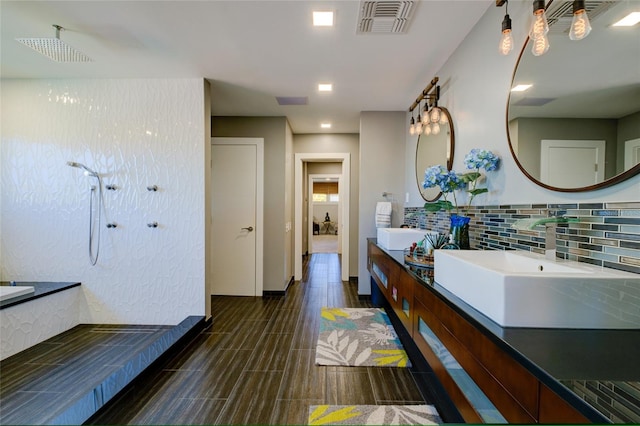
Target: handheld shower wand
[88, 172]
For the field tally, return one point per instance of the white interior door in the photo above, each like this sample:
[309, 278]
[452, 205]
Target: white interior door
[631, 153]
[572, 163]
[236, 217]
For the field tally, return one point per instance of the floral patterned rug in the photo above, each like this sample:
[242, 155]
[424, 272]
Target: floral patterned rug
[373, 415]
[359, 337]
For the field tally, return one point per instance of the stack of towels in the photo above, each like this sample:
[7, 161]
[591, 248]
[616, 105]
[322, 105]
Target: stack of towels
[383, 214]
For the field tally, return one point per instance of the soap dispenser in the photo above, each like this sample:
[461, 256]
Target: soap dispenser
[451, 245]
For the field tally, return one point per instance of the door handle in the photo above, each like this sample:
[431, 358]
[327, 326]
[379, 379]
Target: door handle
[250, 229]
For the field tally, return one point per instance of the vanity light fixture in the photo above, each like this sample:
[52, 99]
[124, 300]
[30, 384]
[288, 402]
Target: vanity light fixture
[580, 25]
[325, 87]
[430, 93]
[506, 40]
[325, 125]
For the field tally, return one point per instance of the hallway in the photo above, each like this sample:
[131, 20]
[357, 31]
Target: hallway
[256, 364]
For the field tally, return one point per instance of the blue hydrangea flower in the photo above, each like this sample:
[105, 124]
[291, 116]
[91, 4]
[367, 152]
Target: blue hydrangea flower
[450, 181]
[481, 159]
[433, 176]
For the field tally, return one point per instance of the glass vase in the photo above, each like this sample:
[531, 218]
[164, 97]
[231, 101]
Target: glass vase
[460, 231]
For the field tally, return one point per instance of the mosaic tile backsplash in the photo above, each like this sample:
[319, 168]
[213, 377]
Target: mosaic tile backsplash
[606, 234]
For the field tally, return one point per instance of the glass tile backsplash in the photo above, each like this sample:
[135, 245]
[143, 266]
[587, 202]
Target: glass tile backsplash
[606, 234]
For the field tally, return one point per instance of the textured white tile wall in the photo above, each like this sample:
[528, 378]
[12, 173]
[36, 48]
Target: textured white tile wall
[135, 133]
[24, 325]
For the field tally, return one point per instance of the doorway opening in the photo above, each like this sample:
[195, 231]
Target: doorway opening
[302, 222]
[324, 211]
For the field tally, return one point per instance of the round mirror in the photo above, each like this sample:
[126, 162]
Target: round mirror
[577, 126]
[434, 149]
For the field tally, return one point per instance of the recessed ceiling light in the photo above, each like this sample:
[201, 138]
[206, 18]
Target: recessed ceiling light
[325, 125]
[629, 20]
[521, 87]
[323, 19]
[325, 87]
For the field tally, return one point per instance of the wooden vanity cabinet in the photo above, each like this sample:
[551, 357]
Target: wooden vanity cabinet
[515, 391]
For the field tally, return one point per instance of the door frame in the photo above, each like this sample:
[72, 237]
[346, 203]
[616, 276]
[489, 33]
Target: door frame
[259, 226]
[629, 147]
[344, 191]
[310, 205]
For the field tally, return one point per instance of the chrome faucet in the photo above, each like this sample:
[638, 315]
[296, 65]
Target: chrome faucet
[550, 224]
[550, 240]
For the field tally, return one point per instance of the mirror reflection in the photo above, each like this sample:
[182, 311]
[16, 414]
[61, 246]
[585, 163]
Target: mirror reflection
[577, 126]
[434, 149]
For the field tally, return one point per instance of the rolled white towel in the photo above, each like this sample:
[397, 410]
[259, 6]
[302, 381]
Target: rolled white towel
[383, 214]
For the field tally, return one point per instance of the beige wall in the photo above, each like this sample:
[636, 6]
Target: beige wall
[337, 143]
[277, 210]
[382, 169]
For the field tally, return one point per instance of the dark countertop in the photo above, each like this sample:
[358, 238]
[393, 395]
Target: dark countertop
[41, 289]
[554, 355]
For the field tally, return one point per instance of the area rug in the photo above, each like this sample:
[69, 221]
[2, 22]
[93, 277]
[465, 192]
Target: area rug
[373, 415]
[359, 337]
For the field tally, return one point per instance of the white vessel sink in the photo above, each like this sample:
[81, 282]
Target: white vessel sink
[400, 238]
[9, 292]
[521, 289]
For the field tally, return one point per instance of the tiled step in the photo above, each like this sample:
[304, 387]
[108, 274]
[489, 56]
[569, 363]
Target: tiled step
[66, 379]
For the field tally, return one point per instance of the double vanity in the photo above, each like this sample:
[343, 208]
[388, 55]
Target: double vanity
[507, 333]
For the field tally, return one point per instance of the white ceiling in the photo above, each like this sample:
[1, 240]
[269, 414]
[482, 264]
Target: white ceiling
[251, 51]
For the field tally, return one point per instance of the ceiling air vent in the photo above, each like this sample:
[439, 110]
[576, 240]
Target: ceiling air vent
[387, 17]
[292, 100]
[560, 13]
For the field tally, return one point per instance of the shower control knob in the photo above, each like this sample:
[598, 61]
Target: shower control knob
[112, 225]
[152, 225]
[152, 188]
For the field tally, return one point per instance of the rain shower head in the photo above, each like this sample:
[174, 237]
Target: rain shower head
[88, 171]
[54, 48]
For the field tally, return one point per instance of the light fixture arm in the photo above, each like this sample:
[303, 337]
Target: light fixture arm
[425, 93]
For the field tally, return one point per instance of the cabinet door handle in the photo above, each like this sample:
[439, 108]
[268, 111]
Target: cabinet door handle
[250, 229]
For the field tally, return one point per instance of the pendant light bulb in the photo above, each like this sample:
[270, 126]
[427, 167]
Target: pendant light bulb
[418, 125]
[580, 25]
[435, 114]
[540, 46]
[539, 25]
[427, 129]
[435, 128]
[506, 41]
[412, 127]
[425, 116]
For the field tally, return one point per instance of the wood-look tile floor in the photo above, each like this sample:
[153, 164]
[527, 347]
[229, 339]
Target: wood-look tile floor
[256, 364]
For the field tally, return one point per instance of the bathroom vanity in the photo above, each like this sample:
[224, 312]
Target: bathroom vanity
[500, 374]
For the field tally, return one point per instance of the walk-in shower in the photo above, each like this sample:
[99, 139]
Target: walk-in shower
[94, 224]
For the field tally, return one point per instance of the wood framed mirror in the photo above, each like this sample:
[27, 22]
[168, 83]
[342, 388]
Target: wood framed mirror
[577, 128]
[434, 149]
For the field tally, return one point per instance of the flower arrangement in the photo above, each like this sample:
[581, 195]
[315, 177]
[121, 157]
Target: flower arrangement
[449, 181]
